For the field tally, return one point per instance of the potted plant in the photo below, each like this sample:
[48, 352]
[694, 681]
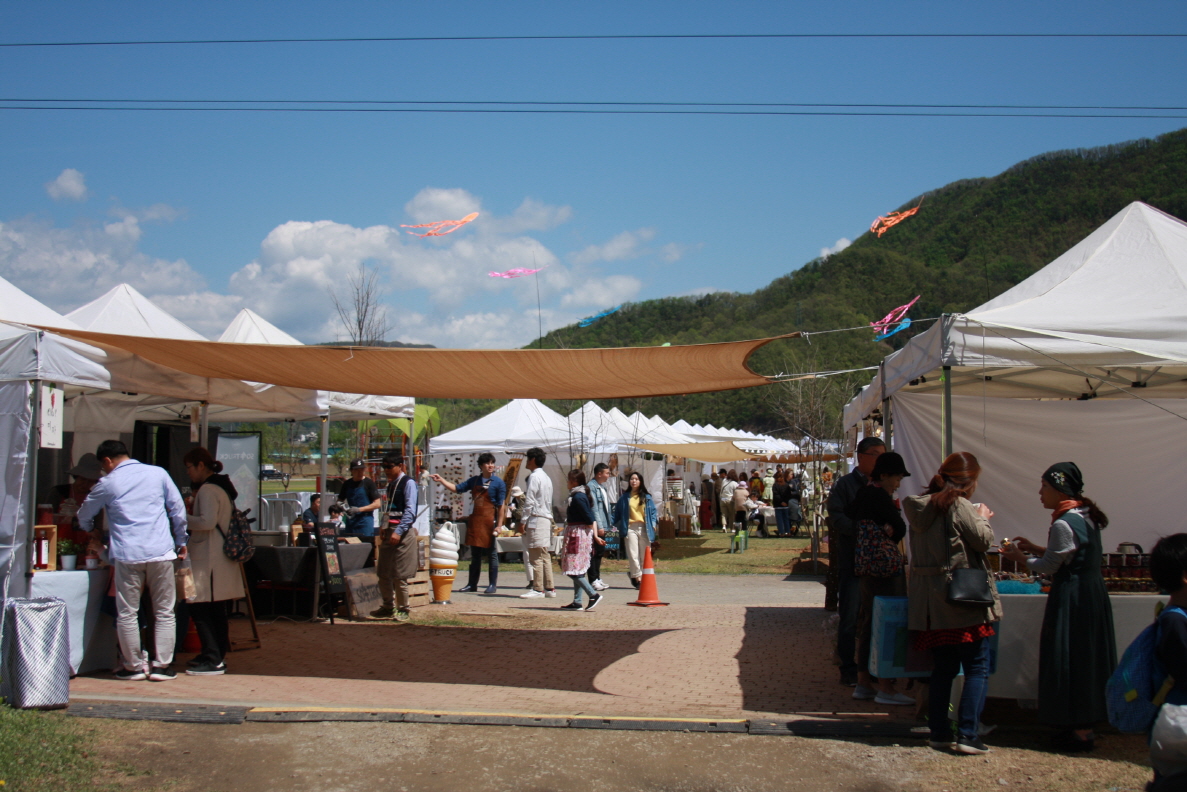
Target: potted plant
[67, 554]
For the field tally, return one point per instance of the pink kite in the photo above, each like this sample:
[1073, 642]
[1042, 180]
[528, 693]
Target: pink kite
[518, 272]
[435, 228]
[883, 325]
[883, 224]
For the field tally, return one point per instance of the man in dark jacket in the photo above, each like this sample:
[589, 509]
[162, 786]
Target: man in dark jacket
[843, 538]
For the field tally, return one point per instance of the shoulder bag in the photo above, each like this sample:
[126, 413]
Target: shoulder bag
[967, 587]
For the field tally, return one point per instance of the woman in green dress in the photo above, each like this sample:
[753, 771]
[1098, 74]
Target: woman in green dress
[1077, 650]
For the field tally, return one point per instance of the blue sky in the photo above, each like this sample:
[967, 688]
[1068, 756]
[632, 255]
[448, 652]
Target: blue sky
[211, 212]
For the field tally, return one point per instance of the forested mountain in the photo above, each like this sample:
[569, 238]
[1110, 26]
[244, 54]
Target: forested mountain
[970, 241]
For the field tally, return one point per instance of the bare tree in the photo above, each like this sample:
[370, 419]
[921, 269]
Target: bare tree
[360, 310]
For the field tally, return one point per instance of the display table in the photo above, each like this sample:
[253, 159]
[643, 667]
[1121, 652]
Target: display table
[505, 544]
[93, 644]
[1017, 674]
[297, 565]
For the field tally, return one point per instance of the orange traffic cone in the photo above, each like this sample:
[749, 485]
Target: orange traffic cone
[648, 591]
[191, 643]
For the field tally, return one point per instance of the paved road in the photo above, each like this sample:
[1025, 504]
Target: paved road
[727, 646]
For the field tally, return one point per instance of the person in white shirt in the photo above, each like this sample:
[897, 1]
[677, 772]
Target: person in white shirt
[537, 525]
[147, 522]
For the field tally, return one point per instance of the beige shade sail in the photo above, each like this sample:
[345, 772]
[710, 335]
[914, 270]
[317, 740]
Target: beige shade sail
[458, 373]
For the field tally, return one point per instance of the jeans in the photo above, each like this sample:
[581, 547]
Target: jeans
[595, 562]
[581, 584]
[210, 622]
[783, 520]
[974, 657]
[130, 582]
[476, 556]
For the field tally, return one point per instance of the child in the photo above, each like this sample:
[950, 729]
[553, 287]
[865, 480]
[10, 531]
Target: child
[1168, 567]
[336, 518]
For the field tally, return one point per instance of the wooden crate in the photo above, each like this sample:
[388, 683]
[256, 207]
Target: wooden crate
[666, 529]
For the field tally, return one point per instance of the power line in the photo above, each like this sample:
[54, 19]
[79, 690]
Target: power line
[607, 37]
[579, 111]
[582, 103]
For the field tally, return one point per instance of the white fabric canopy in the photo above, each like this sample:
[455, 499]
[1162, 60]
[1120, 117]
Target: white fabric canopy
[516, 426]
[1130, 468]
[125, 310]
[1113, 309]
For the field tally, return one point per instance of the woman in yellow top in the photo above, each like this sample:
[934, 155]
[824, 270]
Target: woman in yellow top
[635, 517]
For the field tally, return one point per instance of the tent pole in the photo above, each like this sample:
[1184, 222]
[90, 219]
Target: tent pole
[204, 431]
[323, 512]
[885, 406]
[31, 506]
[946, 411]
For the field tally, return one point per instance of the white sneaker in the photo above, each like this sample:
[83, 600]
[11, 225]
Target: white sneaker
[863, 693]
[896, 698]
[599, 585]
[533, 594]
[551, 593]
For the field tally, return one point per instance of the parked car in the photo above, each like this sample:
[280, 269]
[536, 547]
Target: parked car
[271, 474]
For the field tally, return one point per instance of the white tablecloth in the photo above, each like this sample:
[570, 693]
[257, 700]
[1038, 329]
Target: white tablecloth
[92, 634]
[1017, 674]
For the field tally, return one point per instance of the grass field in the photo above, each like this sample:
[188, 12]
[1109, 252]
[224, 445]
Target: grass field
[706, 555]
[295, 485]
[48, 752]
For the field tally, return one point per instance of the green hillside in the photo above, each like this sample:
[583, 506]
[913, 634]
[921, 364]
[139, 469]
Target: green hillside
[970, 241]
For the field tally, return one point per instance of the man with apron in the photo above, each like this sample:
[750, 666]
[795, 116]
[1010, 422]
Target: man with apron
[361, 498]
[489, 494]
[397, 562]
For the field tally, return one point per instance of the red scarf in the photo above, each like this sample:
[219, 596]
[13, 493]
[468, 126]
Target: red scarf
[1064, 507]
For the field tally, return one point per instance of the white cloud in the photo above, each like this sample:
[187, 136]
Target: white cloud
[627, 245]
[66, 267]
[603, 292]
[434, 203]
[840, 245]
[436, 290]
[70, 185]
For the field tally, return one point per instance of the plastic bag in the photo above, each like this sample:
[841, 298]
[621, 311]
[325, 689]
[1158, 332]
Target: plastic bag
[183, 573]
[1168, 741]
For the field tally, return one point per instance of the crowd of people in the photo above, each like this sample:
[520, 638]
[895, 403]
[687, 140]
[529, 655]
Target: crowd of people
[953, 605]
[732, 501]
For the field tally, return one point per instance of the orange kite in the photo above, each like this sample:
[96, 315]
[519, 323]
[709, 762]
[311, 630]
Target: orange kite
[435, 228]
[882, 224]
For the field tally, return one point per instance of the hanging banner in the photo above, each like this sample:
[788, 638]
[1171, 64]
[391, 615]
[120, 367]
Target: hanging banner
[52, 413]
[240, 455]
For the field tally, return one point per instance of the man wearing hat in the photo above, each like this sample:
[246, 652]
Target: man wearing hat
[360, 497]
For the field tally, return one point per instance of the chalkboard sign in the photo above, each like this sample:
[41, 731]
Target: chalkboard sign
[331, 562]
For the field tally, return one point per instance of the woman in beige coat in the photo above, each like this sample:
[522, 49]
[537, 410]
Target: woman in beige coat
[949, 532]
[217, 578]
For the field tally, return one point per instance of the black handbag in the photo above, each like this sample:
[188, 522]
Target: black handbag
[968, 587]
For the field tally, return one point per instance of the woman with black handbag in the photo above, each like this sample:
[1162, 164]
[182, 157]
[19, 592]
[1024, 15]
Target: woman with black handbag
[952, 598]
[1077, 650]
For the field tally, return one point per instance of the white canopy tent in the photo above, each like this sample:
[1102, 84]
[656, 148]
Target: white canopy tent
[1019, 381]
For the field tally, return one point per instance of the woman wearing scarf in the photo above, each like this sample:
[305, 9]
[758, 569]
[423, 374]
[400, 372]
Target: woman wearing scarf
[1077, 650]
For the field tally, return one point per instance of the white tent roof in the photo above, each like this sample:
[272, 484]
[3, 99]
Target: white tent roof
[248, 327]
[127, 311]
[516, 426]
[1112, 309]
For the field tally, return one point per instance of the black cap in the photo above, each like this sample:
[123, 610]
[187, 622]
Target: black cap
[1065, 477]
[358, 464]
[889, 464]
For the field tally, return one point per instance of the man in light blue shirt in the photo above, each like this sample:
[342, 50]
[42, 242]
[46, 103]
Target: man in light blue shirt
[147, 521]
[603, 512]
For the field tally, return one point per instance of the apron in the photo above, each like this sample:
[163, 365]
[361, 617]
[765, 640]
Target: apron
[481, 527]
[363, 524]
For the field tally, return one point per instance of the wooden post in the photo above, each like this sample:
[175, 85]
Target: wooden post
[946, 412]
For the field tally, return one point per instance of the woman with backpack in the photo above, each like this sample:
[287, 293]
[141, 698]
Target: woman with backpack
[578, 542]
[1077, 650]
[217, 578]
